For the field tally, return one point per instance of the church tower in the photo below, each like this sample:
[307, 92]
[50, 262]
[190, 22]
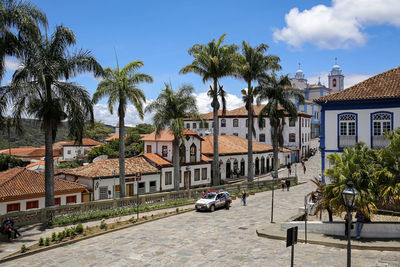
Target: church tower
[299, 81]
[336, 78]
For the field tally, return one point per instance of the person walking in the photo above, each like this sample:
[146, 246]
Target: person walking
[287, 182]
[283, 184]
[359, 223]
[244, 197]
[204, 193]
[304, 168]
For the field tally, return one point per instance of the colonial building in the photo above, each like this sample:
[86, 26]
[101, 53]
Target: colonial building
[22, 189]
[296, 133]
[73, 149]
[233, 155]
[360, 113]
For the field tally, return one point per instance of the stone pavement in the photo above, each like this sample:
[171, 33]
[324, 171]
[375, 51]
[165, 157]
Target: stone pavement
[224, 238]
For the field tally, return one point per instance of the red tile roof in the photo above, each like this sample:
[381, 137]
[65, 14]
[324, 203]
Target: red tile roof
[106, 168]
[166, 135]
[40, 162]
[112, 137]
[28, 152]
[85, 142]
[157, 159]
[384, 85]
[231, 144]
[205, 158]
[20, 183]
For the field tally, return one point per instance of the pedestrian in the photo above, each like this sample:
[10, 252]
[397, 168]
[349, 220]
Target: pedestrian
[290, 170]
[302, 161]
[304, 168]
[287, 182]
[244, 197]
[283, 184]
[204, 193]
[8, 226]
[359, 223]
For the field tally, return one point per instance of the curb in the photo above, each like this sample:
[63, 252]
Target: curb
[331, 244]
[29, 253]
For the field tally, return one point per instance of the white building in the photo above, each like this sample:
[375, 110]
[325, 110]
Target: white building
[22, 189]
[233, 152]
[360, 113]
[296, 133]
[72, 149]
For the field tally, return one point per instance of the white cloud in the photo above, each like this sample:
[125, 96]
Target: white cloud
[338, 26]
[11, 64]
[204, 102]
[349, 78]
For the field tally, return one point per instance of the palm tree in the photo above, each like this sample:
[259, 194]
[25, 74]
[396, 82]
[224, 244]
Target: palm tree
[170, 109]
[253, 66]
[40, 89]
[23, 17]
[9, 123]
[213, 61]
[275, 91]
[122, 86]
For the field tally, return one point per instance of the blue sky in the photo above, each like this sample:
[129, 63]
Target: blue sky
[363, 34]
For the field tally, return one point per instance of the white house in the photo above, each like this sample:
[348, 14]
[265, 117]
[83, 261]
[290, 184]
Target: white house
[73, 149]
[22, 189]
[360, 113]
[195, 168]
[233, 155]
[296, 133]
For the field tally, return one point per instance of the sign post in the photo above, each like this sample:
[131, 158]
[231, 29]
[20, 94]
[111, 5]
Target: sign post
[138, 178]
[291, 240]
[305, 219]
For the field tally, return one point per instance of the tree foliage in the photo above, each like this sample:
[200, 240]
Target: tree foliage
[98, 131]
[6, 159]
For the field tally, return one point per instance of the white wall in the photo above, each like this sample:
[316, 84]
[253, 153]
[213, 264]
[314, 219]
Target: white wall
[190, 168]
[75, 151]
[3, 205]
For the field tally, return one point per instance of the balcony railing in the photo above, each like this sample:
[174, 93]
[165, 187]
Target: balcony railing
[379, 141]
[347, 141]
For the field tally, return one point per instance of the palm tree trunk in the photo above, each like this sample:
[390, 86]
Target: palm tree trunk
[49, 165]
[216, 179]
[175, 161]
[9, 142]
[250, 174]
[122, 154]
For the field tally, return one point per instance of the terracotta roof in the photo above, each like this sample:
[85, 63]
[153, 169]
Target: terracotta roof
[20, 182]
[58, 145]
[308, 102]
[112, 137]
[384, 85]
[205, 158]
[166, 135]
[40, 162]
[85, 142]
[157, 159]
[231, 144]
[28, 152]
[106, 168]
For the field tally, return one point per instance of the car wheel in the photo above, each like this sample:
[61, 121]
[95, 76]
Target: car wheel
[212, 208]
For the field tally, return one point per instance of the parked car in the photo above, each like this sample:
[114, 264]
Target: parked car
[213, 200]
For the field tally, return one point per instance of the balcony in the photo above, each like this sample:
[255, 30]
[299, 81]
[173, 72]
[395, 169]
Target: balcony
[379, 141]
[347, 141]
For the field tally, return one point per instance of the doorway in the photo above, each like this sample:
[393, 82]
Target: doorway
[268, 167]
[228, 169]
[148, 148]
[187, 175]
[129, 190]
[242, 166]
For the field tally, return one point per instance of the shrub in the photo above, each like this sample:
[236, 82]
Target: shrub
[47, 241]
[53, 237]
[41, 241]
[103, 225]
[177, 210]
[79, 228]
[23, 248]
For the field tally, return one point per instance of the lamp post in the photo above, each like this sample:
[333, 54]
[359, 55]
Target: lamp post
[349, 195]
[114, 173]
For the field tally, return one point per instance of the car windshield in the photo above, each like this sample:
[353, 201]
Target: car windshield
[209, 196]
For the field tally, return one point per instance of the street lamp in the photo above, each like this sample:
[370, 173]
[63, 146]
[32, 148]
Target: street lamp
[114, 173]
[349, 195]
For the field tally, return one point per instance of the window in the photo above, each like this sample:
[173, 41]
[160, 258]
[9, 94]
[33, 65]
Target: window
[247, 123]
[165, 151]
[334, 82]
[194, 125]
[204, 174]
[32, 204]
[381, 123]
[148, 148]
[302, 138]
[292, 137]
[193, 153]
[302, 122]
[69, 152]
[235, 134]
[262, 137]
[223, 123]
[141, 188]
[223, 134]
[235, 123]
[13, 207]
[71, 199]
[203, 124]
[292, 122]
[197, 174]
[182, 154]
[247, 136]
[347, 129]
[201, 135]
[168, 178]
[187, 125]
[57, 201]
[263, 123]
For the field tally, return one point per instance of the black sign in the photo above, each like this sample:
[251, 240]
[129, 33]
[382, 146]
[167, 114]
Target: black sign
[291, 236]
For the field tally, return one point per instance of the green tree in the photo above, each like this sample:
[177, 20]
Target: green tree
[5, 160]
[122, 86]
[40, 89]
[111, 149]
[97, 131]
[253, 65]
[212, 62]
[279, 104]
[170, 108]
[357, 165]
[141, 128]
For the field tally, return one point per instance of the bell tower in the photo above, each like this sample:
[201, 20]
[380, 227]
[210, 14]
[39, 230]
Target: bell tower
[336, 78]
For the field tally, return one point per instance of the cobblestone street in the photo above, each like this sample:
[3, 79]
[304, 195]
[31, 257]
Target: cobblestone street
[223, 238]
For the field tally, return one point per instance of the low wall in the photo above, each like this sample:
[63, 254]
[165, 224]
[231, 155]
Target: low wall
[370, 230]
[42, 215]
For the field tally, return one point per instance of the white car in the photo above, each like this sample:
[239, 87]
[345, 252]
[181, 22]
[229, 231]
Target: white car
[213, 200]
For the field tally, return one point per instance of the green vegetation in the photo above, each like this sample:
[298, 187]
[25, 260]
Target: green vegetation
[70, 164]
[6, 159]
[97, 131]
[23, 248]
[41, 241]
[47, 242]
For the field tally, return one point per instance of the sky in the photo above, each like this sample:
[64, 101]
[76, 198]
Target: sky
[364, 35]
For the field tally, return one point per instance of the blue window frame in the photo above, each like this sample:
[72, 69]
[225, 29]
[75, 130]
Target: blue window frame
[381, 122]
[347, 129]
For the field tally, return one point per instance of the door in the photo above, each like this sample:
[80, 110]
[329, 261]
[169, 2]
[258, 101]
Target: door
[268, 167]
[242, 168]
[129, 190]
[228, 169]
[187, 176]
[148, 148]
